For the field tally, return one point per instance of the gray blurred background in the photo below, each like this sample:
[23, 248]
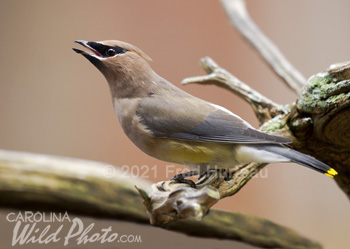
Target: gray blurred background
[54, 101]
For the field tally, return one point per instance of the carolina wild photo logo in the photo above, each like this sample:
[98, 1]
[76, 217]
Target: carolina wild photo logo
[26, 230]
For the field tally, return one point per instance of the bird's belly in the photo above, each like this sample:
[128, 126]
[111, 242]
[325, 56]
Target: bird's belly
[193, 154]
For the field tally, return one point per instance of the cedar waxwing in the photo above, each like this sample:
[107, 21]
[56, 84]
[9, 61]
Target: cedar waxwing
[169, 124]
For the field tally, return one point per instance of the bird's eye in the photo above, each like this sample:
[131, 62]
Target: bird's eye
[111, 52]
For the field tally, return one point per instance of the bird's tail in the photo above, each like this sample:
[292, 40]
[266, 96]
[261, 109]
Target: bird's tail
[300, 158]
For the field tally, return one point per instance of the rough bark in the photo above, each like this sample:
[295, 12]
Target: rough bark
[320, 121]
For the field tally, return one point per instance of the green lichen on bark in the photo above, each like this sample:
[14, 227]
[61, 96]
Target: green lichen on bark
[320, 120]
[274, 125]
[327, 90]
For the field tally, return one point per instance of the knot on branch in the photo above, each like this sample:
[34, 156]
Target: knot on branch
[327, 99]
[170, 201]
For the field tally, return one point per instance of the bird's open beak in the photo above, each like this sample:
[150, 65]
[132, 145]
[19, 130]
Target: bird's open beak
[92, 53]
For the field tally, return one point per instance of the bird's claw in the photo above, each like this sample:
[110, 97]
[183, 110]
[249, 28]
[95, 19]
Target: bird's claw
[183, 180]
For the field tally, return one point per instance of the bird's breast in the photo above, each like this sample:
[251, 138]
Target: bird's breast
[131, 124]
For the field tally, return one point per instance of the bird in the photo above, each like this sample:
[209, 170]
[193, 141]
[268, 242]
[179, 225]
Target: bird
[172, 125]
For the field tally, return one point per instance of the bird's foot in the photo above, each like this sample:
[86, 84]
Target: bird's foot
[228, 175]
[181, 178]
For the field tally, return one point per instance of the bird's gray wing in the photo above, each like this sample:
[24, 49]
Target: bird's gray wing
[196, 120]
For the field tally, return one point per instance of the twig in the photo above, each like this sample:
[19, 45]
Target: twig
[264, 108]
[239, 17]
[98, 189]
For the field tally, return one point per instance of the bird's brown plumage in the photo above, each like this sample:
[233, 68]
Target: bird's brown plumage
[170, 124]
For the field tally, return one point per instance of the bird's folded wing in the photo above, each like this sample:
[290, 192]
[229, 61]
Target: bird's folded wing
[196, 120]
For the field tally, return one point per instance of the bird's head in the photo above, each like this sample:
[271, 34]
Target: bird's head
[115, 59]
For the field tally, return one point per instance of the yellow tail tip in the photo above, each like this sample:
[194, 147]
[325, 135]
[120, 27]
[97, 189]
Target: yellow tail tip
[331, 173]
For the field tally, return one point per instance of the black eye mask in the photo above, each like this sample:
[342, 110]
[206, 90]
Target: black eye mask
[103, 49]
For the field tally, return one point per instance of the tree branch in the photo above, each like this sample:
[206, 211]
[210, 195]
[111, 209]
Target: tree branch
[264, 108]
[100, 190]
[239, 17]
